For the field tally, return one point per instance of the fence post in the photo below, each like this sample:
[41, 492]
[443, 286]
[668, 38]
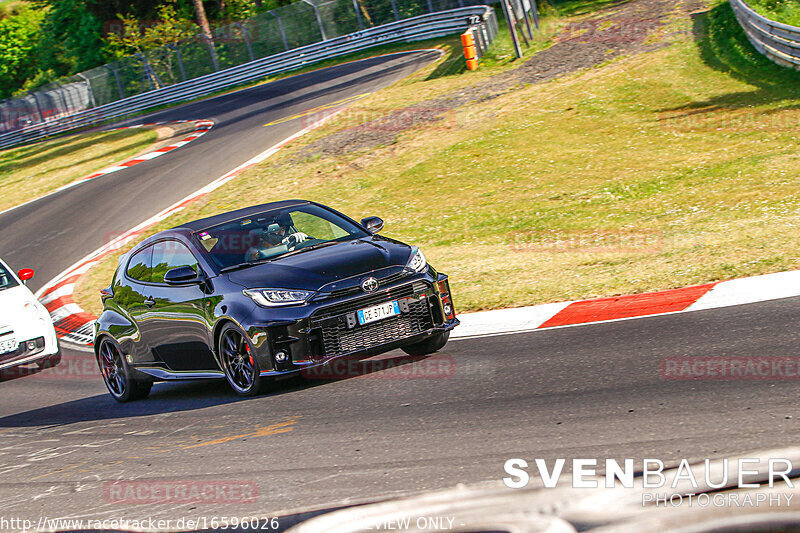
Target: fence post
[146, 68]
[396, 13]
[91, 89]
[280, 27]
[526, 10]
[535, 14]
[358, 14]
[430, 6]
[319, 19]
[508, 12]
[179, 58]
[110, 66]
[212, 49]
[246, 39]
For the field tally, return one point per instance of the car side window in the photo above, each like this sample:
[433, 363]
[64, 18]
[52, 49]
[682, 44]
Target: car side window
[140, 265]
[168, 255]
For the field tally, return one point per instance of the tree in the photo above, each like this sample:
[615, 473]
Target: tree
[19, 35]
[138, 39]
[200, 11]
[71, 38]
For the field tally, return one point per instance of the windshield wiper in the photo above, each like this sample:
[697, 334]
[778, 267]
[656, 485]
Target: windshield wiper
[245, 265]
[306, 248]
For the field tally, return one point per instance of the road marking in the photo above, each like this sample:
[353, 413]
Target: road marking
[59, 471]
[273, 429]
[313, 110]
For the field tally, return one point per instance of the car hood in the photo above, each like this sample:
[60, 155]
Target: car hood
[12, 302]
[324, 267]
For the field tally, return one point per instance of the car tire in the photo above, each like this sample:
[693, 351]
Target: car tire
[118, 376]
[237, 357]
[430, 345]
[49, 362]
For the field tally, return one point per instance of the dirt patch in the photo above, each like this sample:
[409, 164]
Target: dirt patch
[623, 29]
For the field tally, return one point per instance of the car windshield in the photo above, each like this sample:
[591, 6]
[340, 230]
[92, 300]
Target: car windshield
[272, 234]
[7, 279]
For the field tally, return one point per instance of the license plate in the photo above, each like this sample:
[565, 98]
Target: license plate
[378, 312]
[8, 346]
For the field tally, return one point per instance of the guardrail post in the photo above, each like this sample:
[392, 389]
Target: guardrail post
[430, 6]
[280, 27]
[319, 19]
[396, 13]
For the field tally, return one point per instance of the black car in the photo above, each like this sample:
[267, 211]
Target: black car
[264, 292]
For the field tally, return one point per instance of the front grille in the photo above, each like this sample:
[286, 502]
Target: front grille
[352, 291]
[339, 339]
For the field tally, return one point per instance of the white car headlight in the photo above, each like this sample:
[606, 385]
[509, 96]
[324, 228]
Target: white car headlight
[418, 263]
[29, 311]
[277, 297]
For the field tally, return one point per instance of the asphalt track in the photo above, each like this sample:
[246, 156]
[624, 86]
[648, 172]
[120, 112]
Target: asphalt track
[587, 391]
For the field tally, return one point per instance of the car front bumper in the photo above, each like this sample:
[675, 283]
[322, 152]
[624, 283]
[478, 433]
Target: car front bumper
[331, 330]
[23, 355]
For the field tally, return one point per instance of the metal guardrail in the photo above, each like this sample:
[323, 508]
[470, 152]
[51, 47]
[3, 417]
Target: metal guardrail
[779, 42]
[439, 24]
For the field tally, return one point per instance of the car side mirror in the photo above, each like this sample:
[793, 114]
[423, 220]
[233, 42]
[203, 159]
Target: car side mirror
[373, 224]
[184, 275]
[25, 274]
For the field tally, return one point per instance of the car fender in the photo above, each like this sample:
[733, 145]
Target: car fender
[118, 326]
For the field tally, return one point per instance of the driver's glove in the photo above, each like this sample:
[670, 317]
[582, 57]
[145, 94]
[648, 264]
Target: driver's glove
[295, 237]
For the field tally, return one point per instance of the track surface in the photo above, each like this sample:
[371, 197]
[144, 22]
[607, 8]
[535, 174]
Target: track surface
[588, 391]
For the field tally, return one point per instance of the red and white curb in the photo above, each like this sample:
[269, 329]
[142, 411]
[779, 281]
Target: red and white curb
[201, 128]
[696, 298]
[75, 325]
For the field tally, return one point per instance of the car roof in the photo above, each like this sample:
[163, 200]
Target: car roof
[205, 223]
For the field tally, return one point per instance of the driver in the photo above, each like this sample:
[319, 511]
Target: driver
[282, 232]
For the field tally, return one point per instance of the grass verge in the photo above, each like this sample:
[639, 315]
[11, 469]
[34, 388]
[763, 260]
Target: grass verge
[34, 170]
[786, 11]
[660, 170]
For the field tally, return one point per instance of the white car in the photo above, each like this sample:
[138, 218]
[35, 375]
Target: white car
[26, 329]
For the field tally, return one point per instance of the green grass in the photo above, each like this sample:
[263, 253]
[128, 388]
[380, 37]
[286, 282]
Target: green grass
[662, 170]
[786, 11]
[37, 169]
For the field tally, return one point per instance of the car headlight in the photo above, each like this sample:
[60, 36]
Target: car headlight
[29, 311]
[277, 297]
[418, 263]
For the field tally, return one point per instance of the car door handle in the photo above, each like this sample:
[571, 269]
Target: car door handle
[149, 302]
